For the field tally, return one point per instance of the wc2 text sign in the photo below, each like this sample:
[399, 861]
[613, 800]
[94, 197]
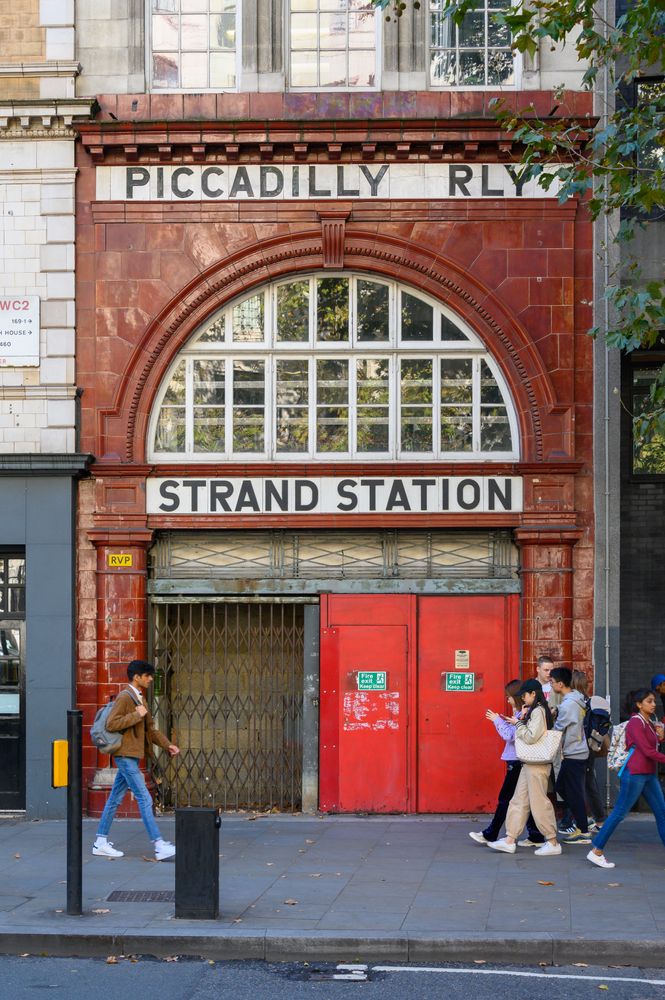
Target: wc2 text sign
[328, 495]
[292, 181]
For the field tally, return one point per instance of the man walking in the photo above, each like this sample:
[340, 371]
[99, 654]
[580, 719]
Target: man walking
[574, 751]
[131, 717]
[544, 666]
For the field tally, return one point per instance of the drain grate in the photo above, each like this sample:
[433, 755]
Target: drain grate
[141, 896]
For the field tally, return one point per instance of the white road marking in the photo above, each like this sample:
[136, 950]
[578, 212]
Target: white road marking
[522, 975]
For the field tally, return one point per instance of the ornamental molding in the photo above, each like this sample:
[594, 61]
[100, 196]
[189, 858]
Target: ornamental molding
[47, 67]
[43, 119]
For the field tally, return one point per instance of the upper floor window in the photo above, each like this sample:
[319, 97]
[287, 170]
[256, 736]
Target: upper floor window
[650, 93]
[12, 585]
[193, 44]
[332, 43]
[333, 366]
[648, 452]
[475, 53]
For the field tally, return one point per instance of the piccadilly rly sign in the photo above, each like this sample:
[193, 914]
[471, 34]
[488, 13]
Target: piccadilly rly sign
[330, 495]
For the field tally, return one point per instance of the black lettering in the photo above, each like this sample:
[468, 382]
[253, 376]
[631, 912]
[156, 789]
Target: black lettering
[475, 487]
[247, 498]
[373, 181]
[300, 486]
[341, 190]
[175, 187]
[265, 173]
[398, 497]
[445, 494]
[518, 180]
[272, 493]
[344, 490]
[205, 186]
[424, 485]
[458, 177]
[488, 192]
[136, 177]
[241, 184]
[220, 491]
[164, 491]
[160, 182]
[194, 485]
[313, 193]
[494, 492]
[372, 485]
[295, 183]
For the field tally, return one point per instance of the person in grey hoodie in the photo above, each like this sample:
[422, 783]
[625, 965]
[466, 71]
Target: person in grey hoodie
[574, 752]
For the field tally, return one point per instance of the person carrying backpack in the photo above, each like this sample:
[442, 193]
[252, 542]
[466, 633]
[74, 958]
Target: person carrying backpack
[638, 773]
[597, 725]
[130, 717]
[574, 753]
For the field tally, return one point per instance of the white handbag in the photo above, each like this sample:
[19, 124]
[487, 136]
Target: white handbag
[542, 752]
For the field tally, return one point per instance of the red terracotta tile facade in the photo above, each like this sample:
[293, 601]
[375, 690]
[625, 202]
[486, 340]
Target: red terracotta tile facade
[148, 274]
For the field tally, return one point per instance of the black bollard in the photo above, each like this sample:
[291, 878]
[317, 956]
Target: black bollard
[197, 864]
[74, 815]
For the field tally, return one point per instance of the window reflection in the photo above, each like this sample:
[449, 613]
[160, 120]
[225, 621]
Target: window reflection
[193, 44]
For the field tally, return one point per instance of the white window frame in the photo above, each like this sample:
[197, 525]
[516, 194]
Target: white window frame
[272, 350]
[518, 67]
[150, 87]
[378, 66]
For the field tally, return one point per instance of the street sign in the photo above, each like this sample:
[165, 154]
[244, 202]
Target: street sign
[372, 680]
[457, 681]
[19, 331]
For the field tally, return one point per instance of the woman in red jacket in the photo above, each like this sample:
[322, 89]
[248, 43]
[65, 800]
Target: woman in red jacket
[639, 774]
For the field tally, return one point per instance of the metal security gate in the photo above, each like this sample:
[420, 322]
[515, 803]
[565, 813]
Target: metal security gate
[229, 692]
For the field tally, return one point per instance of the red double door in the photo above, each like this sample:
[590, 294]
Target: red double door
[404, 686]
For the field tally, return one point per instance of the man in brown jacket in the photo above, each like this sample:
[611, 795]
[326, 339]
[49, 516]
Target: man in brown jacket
[131, 717]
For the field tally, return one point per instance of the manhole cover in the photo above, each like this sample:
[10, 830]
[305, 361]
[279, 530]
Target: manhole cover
[141, 896]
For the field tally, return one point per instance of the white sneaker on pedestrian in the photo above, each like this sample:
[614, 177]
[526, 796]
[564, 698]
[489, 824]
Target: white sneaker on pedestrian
[103, 848]
[164, 850]
[527, 843]
[502, 845]
[478, 837]
[548, 850]
[599, 859]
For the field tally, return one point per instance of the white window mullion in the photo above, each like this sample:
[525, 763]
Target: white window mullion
[270, 406]
[189, 406]
[436, 405]
[353, 406]
[311, 364]
[476, 405]
[228, 379]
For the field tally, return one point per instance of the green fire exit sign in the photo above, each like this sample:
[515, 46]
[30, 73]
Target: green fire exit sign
[372, 680]
[460, 681]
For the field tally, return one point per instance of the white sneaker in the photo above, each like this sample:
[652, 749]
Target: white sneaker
[548, 850]
[527, 843]
[599, 859]
[478, 837]
[502, 845]
[103, 848]
[164, 850]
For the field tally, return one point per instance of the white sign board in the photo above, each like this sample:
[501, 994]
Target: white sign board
[328, 495]
[19, 331]
[323, 181]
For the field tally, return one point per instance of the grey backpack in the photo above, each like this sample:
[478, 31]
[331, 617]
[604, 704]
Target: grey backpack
[105, 741]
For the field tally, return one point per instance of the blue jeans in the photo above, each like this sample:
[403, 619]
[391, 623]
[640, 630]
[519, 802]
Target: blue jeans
[632, 786]
[129, 776]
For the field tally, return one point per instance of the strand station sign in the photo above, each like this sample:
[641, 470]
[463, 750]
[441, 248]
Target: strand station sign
[262, 182]
[328, 495]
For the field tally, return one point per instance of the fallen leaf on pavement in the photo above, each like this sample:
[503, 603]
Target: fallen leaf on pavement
[270, 863]
[581, 965]
[112, 960]
[309, 841]
[153, 861]
[17, 856]
[315, 875]
[290, 902]
[541, 882]
[470, 900]
[603, 987]
[480, 961]
[237, 920]
[101, 911]
[171, 958]
[614, 885]
[24, 954]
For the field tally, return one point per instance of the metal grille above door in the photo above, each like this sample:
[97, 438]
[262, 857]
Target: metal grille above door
[229, 692]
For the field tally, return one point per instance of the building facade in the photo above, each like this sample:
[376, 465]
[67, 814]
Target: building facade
[335, 378]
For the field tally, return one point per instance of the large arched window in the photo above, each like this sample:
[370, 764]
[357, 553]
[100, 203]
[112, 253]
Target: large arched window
[333, 366]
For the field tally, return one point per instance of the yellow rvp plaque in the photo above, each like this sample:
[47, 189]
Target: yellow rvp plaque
[119, 560]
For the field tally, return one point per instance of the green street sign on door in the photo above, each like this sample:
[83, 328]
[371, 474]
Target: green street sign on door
[372, 680]
[460, 681]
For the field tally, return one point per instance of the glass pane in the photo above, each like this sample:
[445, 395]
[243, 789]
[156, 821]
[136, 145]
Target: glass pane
[215, 332]
[293, 382]
[16, 571]
[416, 379]
[373, 421]
[165, 32]
[472, 31]
[500, 67]
[373, 311]
[489, 389]
[648, 452]
[209, 428]
[303, 31]
[449, 331]
[222, 6]
[361, 68]
[194, 33]
[194, 6]
[372, 384]
[332, 309]
[17, 600]
[442, 31]
[164, 70]
[332, 69]
[456, 429]
[362, 30]
[416, 420]
[176, 390]
[247, 320]
[417, 318]
[332, 381]
[170, 434]
[307, 5]
[293, 311]
[223, 31]
[339, 5]
[304, 69]
[332, 422]
[443, 67]
[165, 6]
[471, 68]
[248, 409]
[222, 70]
[457, 380]
[494, 429]
[194, 70]
[332, 31]
[248, 383]
[292, 397]
[10, 666]
[498, 35]
[248, 431]
[209, 383]
[332, 429]
[416, 429]
[373, 429]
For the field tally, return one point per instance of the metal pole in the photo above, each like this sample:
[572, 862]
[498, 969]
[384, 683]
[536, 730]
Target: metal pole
[74, 816]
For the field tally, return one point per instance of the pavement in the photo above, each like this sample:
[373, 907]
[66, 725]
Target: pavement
[344, 888]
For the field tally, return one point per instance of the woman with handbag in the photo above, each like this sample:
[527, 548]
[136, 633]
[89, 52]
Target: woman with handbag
[536, 748]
